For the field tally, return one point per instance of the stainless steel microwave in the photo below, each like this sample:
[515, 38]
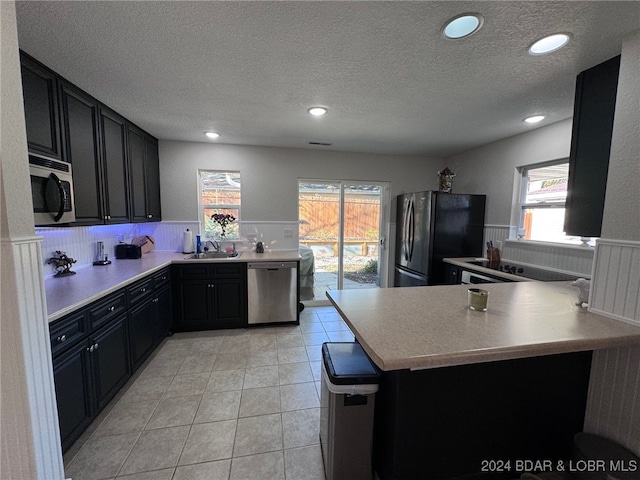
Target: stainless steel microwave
[51, 191]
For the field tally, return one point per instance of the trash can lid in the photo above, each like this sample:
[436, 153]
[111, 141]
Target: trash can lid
[346, 363]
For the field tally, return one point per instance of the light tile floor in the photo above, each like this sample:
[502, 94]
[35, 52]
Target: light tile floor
[232, 404]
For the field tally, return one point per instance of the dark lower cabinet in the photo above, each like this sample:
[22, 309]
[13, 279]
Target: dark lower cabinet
[142, 320]
[88, 375]
[164, 322]
[210, 296]
[72, 377]
[110, 360]
[97, 348]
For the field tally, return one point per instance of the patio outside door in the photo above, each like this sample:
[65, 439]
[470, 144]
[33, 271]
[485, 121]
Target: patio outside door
[340, 222]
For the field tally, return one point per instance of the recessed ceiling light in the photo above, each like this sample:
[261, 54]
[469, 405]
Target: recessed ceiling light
[462, 26]
[549, 44]
[534, 119]
[317, 111]
[212, 134]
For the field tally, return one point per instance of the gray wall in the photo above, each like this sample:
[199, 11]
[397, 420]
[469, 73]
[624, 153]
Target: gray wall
[270, 175]
[490, 169]
[622, 203]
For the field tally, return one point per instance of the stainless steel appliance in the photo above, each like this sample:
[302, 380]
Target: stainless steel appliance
[273, 292]
[51, 191]
[431, 226]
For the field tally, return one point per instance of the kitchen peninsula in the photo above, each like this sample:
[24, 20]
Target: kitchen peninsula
[460, 387]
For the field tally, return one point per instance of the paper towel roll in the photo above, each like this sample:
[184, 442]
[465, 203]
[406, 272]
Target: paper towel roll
[187, 242]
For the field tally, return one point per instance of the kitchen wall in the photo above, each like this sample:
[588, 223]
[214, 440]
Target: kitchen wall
[270, 181]
[492, 168]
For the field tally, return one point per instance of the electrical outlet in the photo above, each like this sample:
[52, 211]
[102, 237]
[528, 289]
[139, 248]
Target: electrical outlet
[288, 233]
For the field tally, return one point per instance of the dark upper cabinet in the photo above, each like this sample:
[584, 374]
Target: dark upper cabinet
[81, 147]
[152, 178]
[145, 176]
[39, 86]
[114, 166]
[594, 109]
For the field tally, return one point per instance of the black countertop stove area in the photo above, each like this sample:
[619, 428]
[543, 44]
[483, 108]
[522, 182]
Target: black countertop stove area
[526, 271]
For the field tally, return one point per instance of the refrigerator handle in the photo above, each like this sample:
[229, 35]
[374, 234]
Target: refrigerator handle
[411, 230]
[405, 233]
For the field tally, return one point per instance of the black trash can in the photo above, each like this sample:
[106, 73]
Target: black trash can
[349, 383]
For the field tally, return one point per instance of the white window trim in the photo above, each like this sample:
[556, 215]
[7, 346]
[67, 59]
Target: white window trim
[518, 208]
[203, 206]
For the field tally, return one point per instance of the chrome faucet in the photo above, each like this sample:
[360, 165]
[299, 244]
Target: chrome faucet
[214, 244]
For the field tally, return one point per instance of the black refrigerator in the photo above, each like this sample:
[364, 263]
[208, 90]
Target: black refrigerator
[431, 226]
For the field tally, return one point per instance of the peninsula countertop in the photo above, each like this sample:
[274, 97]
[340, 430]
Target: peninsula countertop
[90, 283]
[429, 327]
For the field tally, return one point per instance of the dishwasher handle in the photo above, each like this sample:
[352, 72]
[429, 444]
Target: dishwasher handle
[271, 265]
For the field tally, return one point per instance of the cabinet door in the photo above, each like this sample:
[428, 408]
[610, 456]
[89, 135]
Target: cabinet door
[110, 360]
[152, 176]
[229, 303]
[142, 328]
[40, 107]
[114, 164]
[451, 274]
[82, 150]
[136, 170]
[594, 110]
[71, 375]
[193, 305]
[164, 322]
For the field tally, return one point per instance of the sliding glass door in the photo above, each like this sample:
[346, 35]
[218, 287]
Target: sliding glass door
[341, 225]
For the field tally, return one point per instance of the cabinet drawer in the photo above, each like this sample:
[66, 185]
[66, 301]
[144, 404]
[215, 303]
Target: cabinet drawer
[104, 311]
[230, 270]
[65, 332]
[193, 272]
[162, 278]
[141, 290]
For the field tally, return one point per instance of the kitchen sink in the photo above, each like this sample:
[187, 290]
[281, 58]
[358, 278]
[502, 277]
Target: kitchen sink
[209, 255]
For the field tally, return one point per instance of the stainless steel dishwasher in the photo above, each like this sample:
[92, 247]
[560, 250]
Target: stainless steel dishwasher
[273, 292]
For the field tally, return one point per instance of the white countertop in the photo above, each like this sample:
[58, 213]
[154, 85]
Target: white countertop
[428, 327]
[90, 283]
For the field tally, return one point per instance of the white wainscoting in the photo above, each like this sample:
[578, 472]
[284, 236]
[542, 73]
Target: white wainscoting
[28, 395]
[613, 407]
[563, 258]
[615, 291]
[80, 242]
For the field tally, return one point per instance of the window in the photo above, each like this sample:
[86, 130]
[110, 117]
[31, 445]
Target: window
[543, 194]
[219, 193]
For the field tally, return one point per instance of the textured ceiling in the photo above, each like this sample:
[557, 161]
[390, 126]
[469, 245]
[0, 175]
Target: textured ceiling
[392, 83]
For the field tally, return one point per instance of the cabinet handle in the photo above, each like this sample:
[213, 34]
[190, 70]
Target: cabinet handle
[90, 349]
[111, 309]
[149, 216]
[142, 290]
[155, 300]
[62, 338]
[95, 346]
